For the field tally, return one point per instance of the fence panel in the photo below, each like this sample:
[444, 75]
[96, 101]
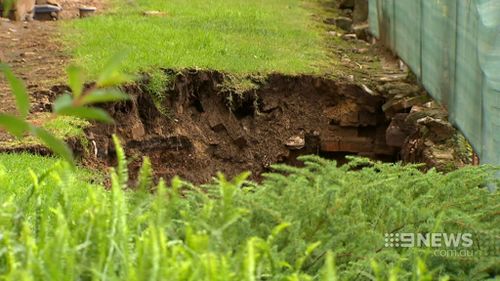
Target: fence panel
[453, 46]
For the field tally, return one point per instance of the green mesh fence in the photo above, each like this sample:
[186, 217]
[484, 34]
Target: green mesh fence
[453, 46]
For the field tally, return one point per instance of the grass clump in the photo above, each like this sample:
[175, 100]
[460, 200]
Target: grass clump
[65, 127]
[157, 85]
[238, 36]
[320, 222]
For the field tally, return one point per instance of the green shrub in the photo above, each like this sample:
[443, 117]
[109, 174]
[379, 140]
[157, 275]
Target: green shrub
[320, 222]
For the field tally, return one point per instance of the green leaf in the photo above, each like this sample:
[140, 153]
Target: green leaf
[14, 125]
[18, 89]
[76, 80]
[62, 102]
[111, 75]
[115, 80]
[56, 145]
[104, 95]
[89, 113]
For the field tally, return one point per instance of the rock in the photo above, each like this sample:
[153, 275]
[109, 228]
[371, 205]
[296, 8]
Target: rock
[367, 90]
[86, 11]
[344, 23]
[27, 54]
[48, 2]
[349, 36]
[334, 34]
[362, 31]
[137, 131]
[397, 133]
[361, 50]
[154, 14]
[393, 77]
[47, 12]
[441, 158]
[215, 123]
[437, 130]
[398, 104]
[360, 13]
[295, 142]
[330, 21]
[347, 4]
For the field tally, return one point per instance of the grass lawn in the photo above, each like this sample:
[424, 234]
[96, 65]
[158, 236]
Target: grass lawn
[238, 36]
[63, 127]
[19, 170]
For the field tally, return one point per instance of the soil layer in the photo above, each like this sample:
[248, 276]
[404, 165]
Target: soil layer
[203, 127]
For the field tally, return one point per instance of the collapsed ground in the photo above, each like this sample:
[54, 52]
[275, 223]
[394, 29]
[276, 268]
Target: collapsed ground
[355, 101]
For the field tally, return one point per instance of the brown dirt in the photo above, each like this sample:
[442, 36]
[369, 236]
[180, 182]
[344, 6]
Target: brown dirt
[33, 51]
[209, 129]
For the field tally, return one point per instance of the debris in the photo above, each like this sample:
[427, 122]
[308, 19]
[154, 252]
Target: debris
[349, 36]
[47, 12]
[367, 90]
[402, 66]
[27, 54]
[295, 142]
[438, 130]
[334, 34]
[398, 131]
[362, 31]
[393, 77]
[87, 11]
[361, 50]
[399, 103]
[48, 2]
[344, 23]
[154, 13]
[330, 21]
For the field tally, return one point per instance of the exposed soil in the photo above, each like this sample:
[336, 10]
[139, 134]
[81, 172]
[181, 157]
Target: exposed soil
[33, 50]
[210, 129]
[204, 127]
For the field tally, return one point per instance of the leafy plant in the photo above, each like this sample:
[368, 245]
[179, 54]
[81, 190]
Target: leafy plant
[319, 222]
[79, 103]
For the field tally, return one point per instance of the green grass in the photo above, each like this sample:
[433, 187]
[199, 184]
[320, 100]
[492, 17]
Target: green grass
[238, 36]
[62, 127]
[67, 127]
[18, 171]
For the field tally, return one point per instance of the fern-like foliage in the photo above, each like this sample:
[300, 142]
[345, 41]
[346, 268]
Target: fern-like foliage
[318, 222]
[122, 165]
[145, 177]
